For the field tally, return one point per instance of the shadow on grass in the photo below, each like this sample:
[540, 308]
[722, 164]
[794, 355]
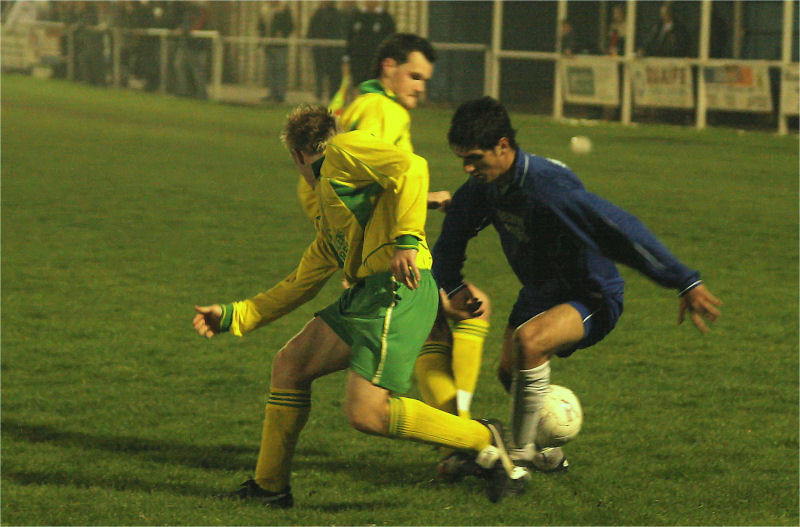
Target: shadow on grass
[215, 457]
[117, 483]
[387, 473]
[334, 507]
[373, 467]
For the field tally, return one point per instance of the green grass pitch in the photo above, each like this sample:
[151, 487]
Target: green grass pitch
[120, 210]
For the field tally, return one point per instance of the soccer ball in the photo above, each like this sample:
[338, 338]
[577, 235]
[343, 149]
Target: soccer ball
[580, 144]
[560, 418]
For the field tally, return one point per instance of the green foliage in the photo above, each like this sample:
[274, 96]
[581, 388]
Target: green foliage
[121, 210]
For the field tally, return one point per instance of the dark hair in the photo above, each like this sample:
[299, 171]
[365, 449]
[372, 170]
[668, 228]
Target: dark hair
[480, 123]
[308, 128]
[399, 46]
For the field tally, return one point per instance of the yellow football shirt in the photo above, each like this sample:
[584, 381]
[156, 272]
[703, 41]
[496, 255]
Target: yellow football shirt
[376, 111]
[372, 196]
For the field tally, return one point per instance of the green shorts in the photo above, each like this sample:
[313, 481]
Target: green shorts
[385, 324]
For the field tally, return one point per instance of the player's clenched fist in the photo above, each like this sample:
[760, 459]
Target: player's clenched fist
[206, 321]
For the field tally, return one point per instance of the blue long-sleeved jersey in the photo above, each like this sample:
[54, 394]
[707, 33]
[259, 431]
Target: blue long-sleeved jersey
[560, 240]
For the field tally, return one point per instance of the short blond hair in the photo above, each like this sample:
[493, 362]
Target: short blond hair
[308, 128]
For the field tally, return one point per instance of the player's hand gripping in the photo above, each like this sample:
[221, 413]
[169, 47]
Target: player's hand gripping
[439, 200]
[466, 303]
[700, 304]
[206, 321]
[404, 267]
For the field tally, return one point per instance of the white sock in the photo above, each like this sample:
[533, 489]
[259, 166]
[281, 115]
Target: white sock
[463, 401]
[528, 388]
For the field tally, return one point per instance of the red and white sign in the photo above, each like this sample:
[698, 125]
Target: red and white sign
[742, 88]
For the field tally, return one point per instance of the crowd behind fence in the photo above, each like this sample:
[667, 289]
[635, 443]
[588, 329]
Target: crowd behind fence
[232, 68]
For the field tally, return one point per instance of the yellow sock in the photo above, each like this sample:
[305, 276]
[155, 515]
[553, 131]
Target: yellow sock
[468, 337]
[435, 377]
[285, 416]
[416, 421]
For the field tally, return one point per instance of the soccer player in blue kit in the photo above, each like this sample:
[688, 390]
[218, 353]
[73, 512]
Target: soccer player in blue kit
[561, 242]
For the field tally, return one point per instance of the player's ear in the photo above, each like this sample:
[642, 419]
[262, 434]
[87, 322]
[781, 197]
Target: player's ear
[388, 66]
[503, 144]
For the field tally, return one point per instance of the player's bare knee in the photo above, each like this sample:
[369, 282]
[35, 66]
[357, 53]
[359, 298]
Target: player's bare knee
[286, 369]
[370, 419]
[530, 344]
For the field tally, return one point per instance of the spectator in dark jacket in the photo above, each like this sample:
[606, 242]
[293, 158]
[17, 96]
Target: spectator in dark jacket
[191, 53]
[326, 24]
[367, 30]
[90, 67]
[281, 26]
[667, 38]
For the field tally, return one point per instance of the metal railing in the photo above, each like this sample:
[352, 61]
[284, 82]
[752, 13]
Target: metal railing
[301, 79]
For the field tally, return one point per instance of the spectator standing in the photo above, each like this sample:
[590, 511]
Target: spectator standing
[191, 53]
[668, 37]
[616, 32]
[326, 24]
[281, 26]
[367, 30]
[144, 48]
[88, 44]
[61, 12]
[569, 45]
[347, 11]
[126, 20]
[108, 16]
[167, 15]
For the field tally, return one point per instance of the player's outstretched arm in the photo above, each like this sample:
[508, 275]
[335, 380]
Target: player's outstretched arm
[700, 304]
[206, 321]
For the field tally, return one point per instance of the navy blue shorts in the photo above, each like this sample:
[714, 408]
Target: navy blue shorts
[599, 315]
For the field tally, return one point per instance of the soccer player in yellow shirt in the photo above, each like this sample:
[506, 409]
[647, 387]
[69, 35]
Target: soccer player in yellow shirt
[372, 208]
[450, 361]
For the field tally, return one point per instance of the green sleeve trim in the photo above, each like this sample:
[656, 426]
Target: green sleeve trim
[227, 318]
[406, 241]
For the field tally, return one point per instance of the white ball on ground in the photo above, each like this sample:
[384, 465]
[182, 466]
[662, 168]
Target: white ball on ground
[560, 417]
[580, 144]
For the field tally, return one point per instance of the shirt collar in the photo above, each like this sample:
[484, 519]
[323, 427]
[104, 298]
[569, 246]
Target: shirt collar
[375, 86]
[520, 172]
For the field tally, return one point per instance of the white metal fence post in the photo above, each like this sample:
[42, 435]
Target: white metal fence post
[70, 29]
[488, 65]
[163, 66]
[630, 54]
[705, 33]
[116, 54]
[738, 28]
[786, 59]
[216, 66]
[558, 89]
[497, 44]
[492, 55]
